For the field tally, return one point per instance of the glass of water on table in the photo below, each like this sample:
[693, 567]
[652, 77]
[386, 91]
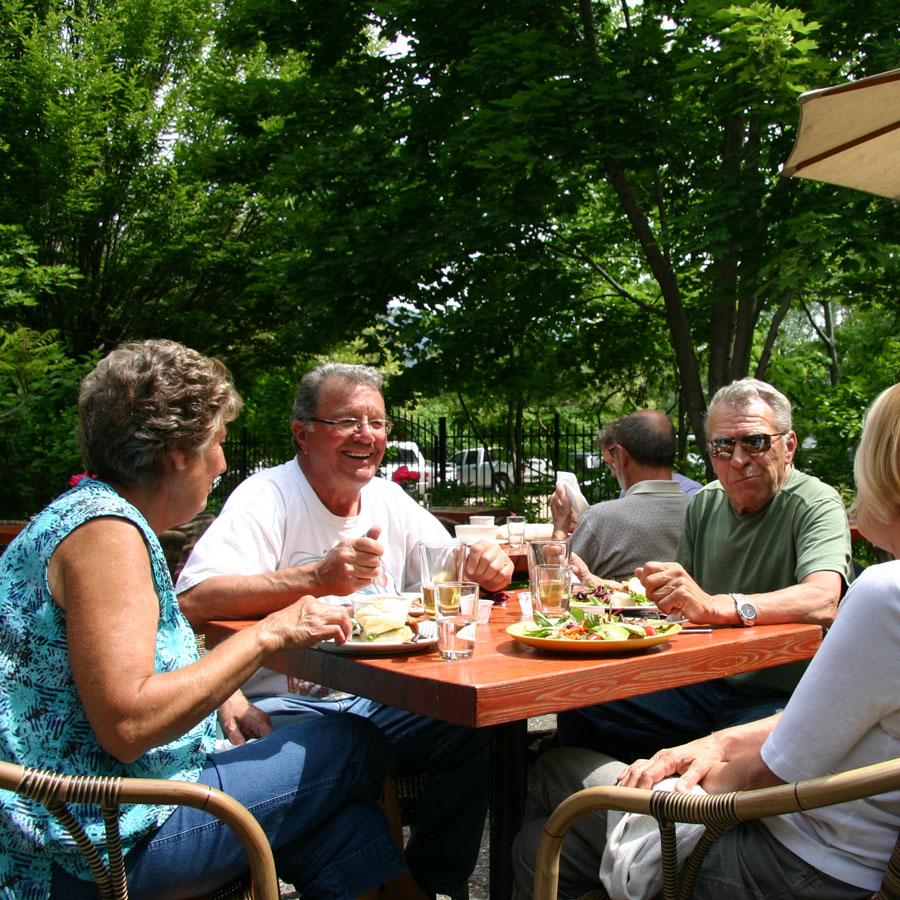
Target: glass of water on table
[456, 605]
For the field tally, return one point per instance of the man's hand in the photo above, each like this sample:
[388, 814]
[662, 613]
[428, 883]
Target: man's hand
[670, 588]
[581, 571]
[691, 761]
[241, 720]
[561, 509]
[350, 565]
[489, 566]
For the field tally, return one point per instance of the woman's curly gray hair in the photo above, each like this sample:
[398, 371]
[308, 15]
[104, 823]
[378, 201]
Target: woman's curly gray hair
[146, 398]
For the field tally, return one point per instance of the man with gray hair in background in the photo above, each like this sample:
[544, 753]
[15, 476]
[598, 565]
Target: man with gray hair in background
[614, 537]
[763, 544]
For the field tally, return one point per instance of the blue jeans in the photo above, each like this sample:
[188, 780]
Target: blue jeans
[445, 834]
[311, 787]
[636, 728]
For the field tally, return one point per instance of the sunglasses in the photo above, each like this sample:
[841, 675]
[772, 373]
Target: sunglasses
[754, 444]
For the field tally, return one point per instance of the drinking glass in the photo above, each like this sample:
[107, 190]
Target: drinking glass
[456, 597]
[456, 602]
[441, 562]
[553, 590]
[545, 553]
[515, 526]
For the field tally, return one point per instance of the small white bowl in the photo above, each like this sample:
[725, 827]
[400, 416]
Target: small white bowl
[468, 534]
[481, 520]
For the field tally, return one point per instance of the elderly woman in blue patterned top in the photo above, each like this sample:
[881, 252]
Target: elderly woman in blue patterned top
[100, 672]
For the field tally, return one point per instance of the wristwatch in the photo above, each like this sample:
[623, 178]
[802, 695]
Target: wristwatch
[745, 609]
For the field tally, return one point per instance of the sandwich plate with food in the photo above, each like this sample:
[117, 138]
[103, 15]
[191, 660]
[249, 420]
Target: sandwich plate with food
[382, 624]
[583, 631]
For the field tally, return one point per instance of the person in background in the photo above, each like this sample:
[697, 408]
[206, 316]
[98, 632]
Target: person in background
[101, 674]
[323, 524]
[614, 537]
[763, 544]
[844, 714]
[565, 518]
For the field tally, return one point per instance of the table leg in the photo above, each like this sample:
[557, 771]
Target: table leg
[508, 785]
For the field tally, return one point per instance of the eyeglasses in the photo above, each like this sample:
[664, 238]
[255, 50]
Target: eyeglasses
[354, 426]
[754, 444]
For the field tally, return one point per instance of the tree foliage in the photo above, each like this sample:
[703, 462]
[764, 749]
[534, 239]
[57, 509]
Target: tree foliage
[530, 208]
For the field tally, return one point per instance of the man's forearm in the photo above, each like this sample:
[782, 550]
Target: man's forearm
[813, 601]
[245, 596]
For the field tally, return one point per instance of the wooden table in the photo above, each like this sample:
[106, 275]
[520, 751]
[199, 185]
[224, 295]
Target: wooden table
[506, 683]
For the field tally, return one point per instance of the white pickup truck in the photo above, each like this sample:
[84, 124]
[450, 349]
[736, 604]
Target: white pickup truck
[481, 467]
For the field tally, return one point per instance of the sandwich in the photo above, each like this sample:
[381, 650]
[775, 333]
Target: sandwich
[385, 620]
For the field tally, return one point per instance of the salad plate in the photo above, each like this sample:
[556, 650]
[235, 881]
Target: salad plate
[563, 645]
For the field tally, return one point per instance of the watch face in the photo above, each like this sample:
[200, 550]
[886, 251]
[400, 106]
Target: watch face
[747, 611]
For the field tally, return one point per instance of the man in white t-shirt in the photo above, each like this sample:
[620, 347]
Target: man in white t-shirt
[323, 525]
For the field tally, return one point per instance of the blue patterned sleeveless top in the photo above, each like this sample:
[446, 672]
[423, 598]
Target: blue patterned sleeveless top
[42, 722]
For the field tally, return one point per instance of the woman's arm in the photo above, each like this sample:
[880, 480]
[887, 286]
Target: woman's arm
[100, 575]
[703, 758]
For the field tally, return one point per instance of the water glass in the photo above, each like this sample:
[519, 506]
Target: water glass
[441, 562]
[456, 637]
[515, 526]
[553, 590]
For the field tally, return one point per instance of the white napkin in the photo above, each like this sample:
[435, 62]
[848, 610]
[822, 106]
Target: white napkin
[631, 865]
[576, 498]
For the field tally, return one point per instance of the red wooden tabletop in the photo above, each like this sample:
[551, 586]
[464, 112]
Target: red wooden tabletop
[506, 681]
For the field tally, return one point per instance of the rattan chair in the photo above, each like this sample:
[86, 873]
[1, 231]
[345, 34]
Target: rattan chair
[717, 812]
[55, 791]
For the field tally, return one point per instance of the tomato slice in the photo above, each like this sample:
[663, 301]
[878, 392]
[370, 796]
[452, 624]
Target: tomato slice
[650, 630]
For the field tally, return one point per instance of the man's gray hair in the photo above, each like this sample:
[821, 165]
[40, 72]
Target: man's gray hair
[740, 394]
[306, 400]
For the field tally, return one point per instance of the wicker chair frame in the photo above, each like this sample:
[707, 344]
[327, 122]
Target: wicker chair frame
[717, 812]
[54, 791]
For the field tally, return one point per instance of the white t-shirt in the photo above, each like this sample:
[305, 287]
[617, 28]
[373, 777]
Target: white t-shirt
[275, 520]
[845, 713]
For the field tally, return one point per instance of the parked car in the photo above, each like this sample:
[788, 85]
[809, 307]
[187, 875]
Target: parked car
[403, 460]
[484, 467]
[536, 469]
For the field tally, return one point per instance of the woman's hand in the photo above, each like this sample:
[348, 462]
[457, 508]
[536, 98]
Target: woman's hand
[691, 761]
[241, 721]
[304, 623]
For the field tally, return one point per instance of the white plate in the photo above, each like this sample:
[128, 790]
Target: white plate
[364, 648]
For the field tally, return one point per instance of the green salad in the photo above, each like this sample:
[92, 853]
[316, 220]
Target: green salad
[582, 625]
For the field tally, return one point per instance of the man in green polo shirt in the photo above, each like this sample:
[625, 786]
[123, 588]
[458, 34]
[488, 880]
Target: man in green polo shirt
[763, 544]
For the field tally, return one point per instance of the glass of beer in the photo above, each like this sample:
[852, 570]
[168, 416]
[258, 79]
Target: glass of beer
[553, 586]
[440, 562]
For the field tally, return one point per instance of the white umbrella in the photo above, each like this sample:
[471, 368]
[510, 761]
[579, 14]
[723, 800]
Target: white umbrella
[850, 135]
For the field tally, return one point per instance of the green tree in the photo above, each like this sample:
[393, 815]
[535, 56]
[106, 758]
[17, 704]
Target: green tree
[557, 161]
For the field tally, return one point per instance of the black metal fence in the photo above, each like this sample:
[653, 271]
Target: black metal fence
[505, 477]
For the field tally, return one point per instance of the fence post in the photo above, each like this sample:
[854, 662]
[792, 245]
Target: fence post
[555, 442]
[442, 449]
